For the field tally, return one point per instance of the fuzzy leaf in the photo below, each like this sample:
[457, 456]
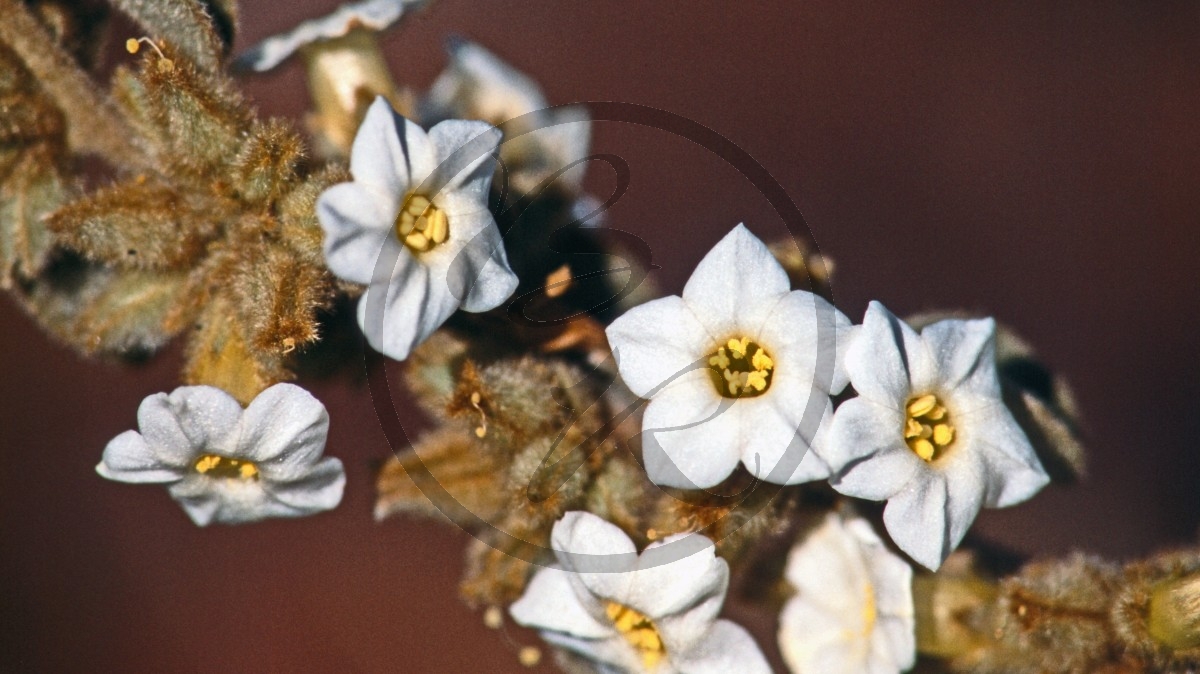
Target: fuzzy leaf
[266, 166]
[278, 296]
[187, 24]
[193, 120]
[139, 223]
[32, 189]
[100, 310]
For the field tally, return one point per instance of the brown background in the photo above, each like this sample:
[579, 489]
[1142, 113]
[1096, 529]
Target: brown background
[1035, 163]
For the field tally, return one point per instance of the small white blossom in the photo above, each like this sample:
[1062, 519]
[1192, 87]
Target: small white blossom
[929, 432]
[226, 464]
[415, 226]
[654, 612]
[853, 608]
[739, 368]
[542, 140]
[366, 14]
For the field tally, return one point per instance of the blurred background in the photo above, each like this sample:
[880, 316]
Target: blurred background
[1038, 163]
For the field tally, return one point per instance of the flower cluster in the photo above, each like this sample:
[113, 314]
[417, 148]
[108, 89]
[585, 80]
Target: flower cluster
[623, 465]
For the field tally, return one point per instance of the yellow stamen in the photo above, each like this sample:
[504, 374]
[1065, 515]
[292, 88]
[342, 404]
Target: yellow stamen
[223, 467]
[922, 406]
[421, 224]
[943, 434]
[927, 427]
[639, 631]
[741, 368]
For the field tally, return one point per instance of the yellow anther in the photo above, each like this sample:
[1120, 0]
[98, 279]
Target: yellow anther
[529, 656]
[639, 632]
[923, 448]
[921, 406]
[421, 225]
[756, 380]
[740, 368]
[493, 618]
[761, 361]
[739, 346]
[720, 360]
[131, 45]
[927, 427]
[912, 429]
[223, 467]
[943, 434]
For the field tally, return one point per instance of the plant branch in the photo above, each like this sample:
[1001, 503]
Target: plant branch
[93, 123]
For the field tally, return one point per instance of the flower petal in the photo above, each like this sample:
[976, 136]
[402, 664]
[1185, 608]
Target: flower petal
[813, 639]
[598, 551]
[550, 603]
[966, 355]
[227, 501]
[479, 83]
[808, 339]
[726, 648]
[888, 361]
[284, 431]
[382, 159]
[677, 575]
[473, 260]
[919, 519]
[1013, 471]
[779, 432]
[734, 288]
[317, 490]
[691, 437]
[415, 304]
[128, 458]
[465, 152]
[356, 220]
[190, 420]
[656, 342]
[866, 450]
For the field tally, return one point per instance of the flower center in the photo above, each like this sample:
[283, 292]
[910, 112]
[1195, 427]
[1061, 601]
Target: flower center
[215, 465]
[639, 631]
[421, 225]
[927, 427]
[740, 369]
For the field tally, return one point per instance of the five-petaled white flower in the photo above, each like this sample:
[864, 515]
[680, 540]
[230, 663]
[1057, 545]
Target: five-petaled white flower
[738, 368]
[929, 431]
[653, 612]
[543, 140]
[853, 609]
[226, 464]
[415, 226]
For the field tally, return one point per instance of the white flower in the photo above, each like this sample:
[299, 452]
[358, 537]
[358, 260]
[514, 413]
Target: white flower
[739, 368]
[415, 226]
[929, 432]
[230, 465]
[853, 609]
[366, 14]
[478, 85]
[654, 612]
